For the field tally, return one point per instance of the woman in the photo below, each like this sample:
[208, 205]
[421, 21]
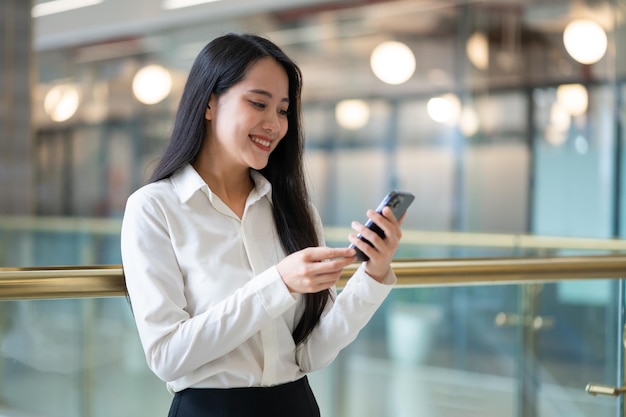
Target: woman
[232, 292]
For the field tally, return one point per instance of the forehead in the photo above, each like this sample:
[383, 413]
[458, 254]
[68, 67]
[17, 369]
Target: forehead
[267, 74]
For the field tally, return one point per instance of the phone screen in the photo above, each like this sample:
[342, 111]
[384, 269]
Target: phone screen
[399, 202]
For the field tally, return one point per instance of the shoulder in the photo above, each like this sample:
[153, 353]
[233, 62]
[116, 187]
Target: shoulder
[160, 193]
[156, 190]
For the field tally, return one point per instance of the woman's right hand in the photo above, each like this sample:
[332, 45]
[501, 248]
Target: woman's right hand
[314, 269]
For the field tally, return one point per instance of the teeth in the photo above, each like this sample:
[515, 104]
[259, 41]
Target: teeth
[261, 141]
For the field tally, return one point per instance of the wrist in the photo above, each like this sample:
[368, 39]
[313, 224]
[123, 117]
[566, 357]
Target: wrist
[376, 275]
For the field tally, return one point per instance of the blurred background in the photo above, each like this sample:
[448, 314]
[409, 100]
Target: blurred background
[504, 118]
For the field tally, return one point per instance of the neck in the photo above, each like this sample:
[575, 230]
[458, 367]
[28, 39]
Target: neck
[231, 184]
[227, 182]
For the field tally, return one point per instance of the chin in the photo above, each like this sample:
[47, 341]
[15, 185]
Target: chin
[259, 166]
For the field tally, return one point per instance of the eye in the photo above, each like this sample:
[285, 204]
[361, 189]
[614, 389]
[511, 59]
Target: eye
[284, 112]
[257, 104]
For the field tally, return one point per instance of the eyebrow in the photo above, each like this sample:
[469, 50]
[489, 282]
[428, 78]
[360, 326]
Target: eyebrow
[266, 93]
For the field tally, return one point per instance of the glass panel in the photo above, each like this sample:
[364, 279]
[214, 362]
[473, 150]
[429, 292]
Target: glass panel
[468, 351]
[75, 358]
[575, 167]
[502, 351]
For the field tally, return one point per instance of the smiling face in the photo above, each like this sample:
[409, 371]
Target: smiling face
[247, 122]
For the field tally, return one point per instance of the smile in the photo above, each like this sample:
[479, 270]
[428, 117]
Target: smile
[262, 142]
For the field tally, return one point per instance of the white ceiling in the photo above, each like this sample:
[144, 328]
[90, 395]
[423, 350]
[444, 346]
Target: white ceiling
[331, 40]
[124, 18]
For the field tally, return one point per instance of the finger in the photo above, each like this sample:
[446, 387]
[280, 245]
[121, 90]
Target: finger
[328, 280]
[356, 226]
[323, 253]
[384, 218]
[364, 247]
[368, 234]
[380, 245]
[388, 214]
[320, 282]
[343, 253]
[389, 225]
[332, 266]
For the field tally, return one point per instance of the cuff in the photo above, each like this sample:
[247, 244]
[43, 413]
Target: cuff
[370, 290]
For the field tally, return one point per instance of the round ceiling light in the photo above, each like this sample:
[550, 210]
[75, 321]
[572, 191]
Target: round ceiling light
[393, 62]
[352, 114]
[573, 97]
[585, 40]
[444, 109]
[152, 84]
[477, 49]
[61, 102]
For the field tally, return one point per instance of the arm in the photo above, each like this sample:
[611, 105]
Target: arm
[362, 296]
[175, 343]
[343, 320]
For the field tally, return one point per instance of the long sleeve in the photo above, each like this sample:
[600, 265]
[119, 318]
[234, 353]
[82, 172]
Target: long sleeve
[176, 342]
[344, 318]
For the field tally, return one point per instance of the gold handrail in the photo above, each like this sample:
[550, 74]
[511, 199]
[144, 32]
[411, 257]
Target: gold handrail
[108, 280]
[61, 282]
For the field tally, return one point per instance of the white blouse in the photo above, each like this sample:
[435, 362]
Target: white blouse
[210, 307]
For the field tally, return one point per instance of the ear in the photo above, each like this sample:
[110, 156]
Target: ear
[208, 114]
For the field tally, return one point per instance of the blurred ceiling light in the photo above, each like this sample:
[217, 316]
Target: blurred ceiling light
[468, 122]
[352, 114]
[444, 109]
[559, 117]
[392, 62]
[573, 97]
[179, 4]
[477, 49]
[59, 6]
[560, 121]
[61, 102]
[585, 41]
[152, 84]
[554, 136]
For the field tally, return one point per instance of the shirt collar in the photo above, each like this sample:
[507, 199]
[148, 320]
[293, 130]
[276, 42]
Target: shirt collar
[262, 186]
[187, 182]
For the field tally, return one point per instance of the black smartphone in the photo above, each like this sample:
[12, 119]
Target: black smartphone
[399, 202]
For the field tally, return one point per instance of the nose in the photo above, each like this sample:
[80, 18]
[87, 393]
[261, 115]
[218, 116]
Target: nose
[271, 122]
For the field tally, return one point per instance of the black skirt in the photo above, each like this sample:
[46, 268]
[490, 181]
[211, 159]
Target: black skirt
[294, 399]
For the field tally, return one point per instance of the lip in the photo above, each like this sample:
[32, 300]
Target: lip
[261, 142]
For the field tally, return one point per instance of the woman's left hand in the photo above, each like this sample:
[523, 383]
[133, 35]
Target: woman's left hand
[381, 254]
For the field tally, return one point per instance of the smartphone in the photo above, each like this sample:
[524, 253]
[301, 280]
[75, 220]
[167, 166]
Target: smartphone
[399, 202]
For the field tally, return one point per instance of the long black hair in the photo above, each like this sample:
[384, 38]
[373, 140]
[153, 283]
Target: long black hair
[222, 63]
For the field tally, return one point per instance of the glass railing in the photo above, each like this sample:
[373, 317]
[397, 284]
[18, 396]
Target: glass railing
[502, 337]
[478, 325]
[108, 280]
[44, 241]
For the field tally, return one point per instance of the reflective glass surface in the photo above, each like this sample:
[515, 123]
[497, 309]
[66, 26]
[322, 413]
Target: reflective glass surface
[502, 351]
